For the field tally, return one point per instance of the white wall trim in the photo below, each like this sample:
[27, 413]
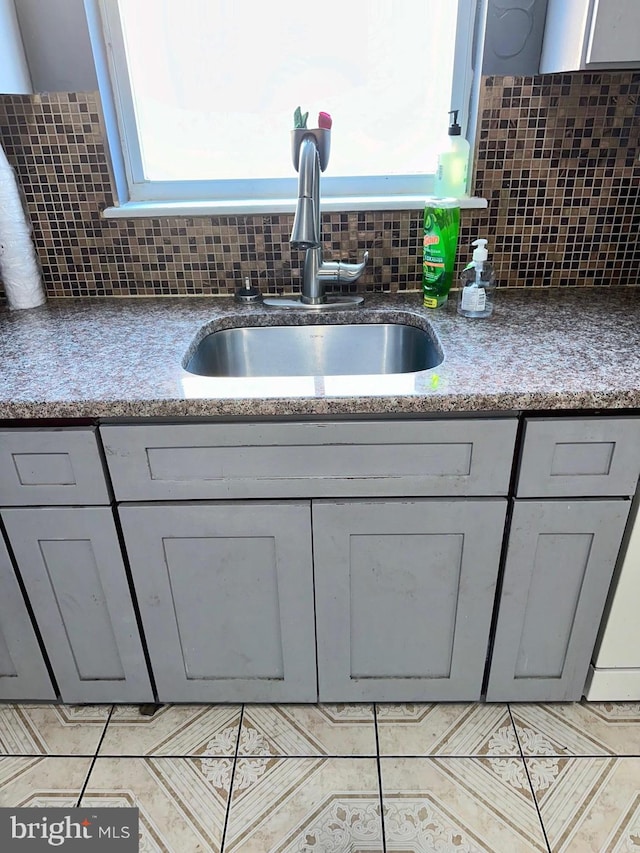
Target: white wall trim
[153, 209]
[14, 71]
[612, 685]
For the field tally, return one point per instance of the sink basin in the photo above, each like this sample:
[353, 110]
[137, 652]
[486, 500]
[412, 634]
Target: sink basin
[315, 350]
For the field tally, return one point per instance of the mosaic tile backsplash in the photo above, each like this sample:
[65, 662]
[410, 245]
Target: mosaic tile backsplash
[557, 156]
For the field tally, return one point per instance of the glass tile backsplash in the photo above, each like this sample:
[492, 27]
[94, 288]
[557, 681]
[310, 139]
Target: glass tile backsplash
[557, 157]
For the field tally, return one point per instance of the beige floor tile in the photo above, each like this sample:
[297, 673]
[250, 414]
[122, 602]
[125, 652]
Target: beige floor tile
[573, 728]
[41, 781]
[446, 729]
[476, 805]
[178, 730]
[299, 730]
[305, 805]
[182, 801]
[588, 805]
[51, 729]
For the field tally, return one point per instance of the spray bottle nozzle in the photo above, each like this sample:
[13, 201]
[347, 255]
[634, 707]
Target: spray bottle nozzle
[454, 128]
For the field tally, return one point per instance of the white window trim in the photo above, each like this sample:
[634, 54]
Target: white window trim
[338, 194]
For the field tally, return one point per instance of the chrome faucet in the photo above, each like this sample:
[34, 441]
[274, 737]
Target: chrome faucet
[310, 151]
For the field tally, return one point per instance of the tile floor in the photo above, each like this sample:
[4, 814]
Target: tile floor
[312, 779]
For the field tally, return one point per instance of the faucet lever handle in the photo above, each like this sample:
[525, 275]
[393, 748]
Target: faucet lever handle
[340, 271]
[356, 270]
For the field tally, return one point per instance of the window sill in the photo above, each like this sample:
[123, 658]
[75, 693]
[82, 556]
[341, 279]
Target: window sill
[158, 209]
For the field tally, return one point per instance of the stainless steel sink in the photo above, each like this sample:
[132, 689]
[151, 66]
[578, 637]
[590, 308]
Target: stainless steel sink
[315, 350]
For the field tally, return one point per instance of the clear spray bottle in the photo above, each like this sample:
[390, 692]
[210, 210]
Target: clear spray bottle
[475, 298]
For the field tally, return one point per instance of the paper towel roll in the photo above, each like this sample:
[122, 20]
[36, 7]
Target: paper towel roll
[19, 266]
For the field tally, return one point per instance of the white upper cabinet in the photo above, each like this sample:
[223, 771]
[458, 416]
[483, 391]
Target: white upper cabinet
[584, 34]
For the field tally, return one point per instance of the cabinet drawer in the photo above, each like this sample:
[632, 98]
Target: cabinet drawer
[240, 460]
[51, 466]
[580, 457]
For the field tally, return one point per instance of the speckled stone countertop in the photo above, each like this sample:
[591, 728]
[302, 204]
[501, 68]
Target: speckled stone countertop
[542, 349]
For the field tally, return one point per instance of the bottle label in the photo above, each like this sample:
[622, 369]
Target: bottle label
[432, 261]
[473, 299]
[438, 253]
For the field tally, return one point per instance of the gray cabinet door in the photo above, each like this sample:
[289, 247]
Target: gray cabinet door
[226, 598]
[560, 560]
[23, 672]
[71, 565]
[404, 596]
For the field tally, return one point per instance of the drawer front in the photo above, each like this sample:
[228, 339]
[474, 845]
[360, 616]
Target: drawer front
[51, 466]
[238, 460]
[580, 457]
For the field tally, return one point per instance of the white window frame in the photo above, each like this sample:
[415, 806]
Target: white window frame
[269, 195]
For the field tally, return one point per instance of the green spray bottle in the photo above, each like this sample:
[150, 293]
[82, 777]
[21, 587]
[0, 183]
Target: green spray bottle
[441, 228]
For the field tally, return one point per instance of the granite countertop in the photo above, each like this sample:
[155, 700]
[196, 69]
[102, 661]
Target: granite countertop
[542, 349]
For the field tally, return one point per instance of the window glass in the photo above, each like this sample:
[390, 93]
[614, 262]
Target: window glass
[205, 90]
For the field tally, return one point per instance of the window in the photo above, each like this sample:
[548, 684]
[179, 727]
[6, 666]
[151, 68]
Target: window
[203, 94]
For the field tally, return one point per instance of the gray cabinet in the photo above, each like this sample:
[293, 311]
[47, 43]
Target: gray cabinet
[23, 672]
[559, 565]
[226, 598]
[286, 561]
[590, 34]
[226, 588]
[561, 553]
[70, 562]
[404, 597]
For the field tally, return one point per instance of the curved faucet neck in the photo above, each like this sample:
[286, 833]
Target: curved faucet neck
[307, 228]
